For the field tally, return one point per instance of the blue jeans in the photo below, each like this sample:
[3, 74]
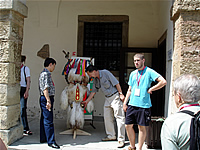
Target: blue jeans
[23, 105]
[46, 122]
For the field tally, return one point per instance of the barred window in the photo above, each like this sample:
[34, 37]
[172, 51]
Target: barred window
[103, 41]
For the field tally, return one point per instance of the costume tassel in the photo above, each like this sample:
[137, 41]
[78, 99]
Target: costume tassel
[85, 97]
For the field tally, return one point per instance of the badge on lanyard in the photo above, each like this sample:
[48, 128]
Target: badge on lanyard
[137, 90]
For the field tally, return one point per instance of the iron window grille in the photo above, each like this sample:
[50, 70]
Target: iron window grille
[103, 41]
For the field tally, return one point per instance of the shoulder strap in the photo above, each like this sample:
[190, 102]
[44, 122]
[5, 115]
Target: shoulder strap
[25, 74]
[194, 129]
[197, 113]
[187, 112]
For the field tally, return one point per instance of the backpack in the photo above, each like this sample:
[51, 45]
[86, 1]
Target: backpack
[25, 75]
[194, 129]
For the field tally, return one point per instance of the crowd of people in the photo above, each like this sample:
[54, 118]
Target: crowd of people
[131, 109]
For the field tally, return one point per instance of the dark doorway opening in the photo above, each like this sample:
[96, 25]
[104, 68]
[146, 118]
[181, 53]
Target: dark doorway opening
[157, 62]
[158, 98]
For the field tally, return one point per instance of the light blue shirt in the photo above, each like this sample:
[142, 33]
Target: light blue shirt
[107, 83]
[175, 132]
[147, 77]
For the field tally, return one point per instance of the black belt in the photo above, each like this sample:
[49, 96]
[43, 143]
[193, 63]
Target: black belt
[111, 94]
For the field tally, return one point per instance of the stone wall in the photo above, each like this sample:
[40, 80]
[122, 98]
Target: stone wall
[11, 37]
[186, 56]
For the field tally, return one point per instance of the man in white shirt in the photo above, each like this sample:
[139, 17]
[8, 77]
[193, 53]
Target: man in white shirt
[25, 86]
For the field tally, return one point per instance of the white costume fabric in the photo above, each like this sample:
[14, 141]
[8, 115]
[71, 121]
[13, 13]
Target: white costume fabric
[70, 102]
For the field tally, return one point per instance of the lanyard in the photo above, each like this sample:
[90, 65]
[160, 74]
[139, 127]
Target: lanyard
[189, 106]
[138, 82]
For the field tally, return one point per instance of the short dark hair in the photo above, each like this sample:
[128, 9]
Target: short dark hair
[23, 58]
[91, 68]
[48, 61]
[140, 55]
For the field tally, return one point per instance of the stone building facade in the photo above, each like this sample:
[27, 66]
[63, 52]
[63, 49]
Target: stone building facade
[12, 15]
[185, 15]
[186, 18]
[186, 56]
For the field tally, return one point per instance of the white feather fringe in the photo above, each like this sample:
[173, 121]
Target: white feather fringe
[64, 99]
[90, 106]
[68, 116]
[76, 116]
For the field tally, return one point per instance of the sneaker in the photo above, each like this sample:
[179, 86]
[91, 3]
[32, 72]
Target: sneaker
[28, 133]
[120, 144]
[108, 139]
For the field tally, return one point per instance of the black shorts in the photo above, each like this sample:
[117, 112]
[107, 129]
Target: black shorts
[138, 115]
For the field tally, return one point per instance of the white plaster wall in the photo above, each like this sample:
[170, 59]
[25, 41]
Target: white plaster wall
[55, 23]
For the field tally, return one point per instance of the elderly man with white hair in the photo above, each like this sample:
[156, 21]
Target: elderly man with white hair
[175, 132]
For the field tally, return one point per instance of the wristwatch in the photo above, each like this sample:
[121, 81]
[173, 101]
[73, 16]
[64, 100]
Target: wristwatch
[120, 93]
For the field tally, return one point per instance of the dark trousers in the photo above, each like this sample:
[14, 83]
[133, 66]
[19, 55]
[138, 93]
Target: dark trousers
[46, 122]
[23, 105]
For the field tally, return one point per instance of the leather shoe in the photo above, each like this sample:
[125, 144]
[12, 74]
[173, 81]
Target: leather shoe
[120, 144]
[108, 139]
[54, 145]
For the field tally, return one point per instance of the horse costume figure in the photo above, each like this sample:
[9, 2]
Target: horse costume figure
[74, 93]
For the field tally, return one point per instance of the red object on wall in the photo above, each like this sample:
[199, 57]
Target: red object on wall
[74, 53]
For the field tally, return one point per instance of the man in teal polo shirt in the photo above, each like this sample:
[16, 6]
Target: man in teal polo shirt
[138, 109]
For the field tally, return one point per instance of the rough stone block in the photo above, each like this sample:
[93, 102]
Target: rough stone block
[16, 31]
[191, 66]
[184, 6]
[11, 28]
[17, 73]
[15, 5]
[11, 135]
[8, 73]
[4, 29]
[10, 51]
[10, 116]
[9, 94]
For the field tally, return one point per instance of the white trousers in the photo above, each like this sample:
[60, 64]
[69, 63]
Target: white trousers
[113, 107]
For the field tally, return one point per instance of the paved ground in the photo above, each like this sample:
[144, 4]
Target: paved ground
[66, 141]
